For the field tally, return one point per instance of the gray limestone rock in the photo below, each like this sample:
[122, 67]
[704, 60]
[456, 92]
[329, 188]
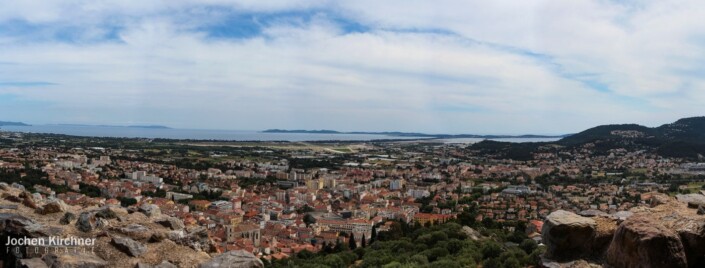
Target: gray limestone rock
[233, 259]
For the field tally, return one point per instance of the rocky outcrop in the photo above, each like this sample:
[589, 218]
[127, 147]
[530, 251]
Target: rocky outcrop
[54, 206]
[592, 213]
[136, 231]
[604, 231]
[171, 222]
[568, 235]
[163, 264]
[86, 222]
[24, 197]
[110, 212]
[129, 246]
[659, 199]
[693, 200]
[233, 259]
[98, 219]
[74, 259]
[472, 233]
[67, 218]
[197, 239]
[28, 200]
[668, 233]
[18, 225]
[622, 215]
[101, 223]
[692, 234]
[150, 210]
[11, 198]
[158, 237]
[4, 186]
[32, 263]
[122, 240]
[642, 241]
[569, 264]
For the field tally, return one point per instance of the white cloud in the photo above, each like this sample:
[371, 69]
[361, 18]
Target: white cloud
[404, 73]
[633, 49]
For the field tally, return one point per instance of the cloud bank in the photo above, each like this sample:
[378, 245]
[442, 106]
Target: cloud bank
[432, 66]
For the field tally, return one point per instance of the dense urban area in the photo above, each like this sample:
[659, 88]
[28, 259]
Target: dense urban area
[395, 203]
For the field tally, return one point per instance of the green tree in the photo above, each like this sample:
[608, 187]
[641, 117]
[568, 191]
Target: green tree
[327, 248]
[305, 254]
[334, 261]
[339, 246]
[419, 259]
[511, 262]
[309, 219]
[444, 264]
[126, 202]
[528, 245]
[351, 242]
[435, 253]
[492, 263]
[394, 264]
[491, 250]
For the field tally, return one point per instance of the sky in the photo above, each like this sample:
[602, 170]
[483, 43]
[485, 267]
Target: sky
[444, 66]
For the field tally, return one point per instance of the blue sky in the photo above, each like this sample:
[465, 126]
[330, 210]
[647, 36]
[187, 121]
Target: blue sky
[509, 67]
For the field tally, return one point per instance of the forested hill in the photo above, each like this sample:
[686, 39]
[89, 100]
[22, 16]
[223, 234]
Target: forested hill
[684, 130]
[683, 138]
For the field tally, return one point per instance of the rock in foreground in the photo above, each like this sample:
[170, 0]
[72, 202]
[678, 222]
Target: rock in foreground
[129, 246]
[74, 259]
[568, 235]
[644, 242]
[233, 259]
[668, 233]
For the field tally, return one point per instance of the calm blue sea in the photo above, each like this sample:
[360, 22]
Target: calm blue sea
[202, 134]
[195, 134]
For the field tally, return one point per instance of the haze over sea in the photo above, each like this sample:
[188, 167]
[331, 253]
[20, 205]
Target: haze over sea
[234, 135]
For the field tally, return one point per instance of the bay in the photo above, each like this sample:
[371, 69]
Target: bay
[193, 134]
[228, 135]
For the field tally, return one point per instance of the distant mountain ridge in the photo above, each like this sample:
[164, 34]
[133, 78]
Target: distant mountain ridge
[690, 129]
[683, 138]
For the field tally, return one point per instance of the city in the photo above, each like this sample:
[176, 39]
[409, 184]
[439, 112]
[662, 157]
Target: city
[276, 200]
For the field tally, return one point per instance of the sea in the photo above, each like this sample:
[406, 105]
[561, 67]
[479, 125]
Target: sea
[224, 135]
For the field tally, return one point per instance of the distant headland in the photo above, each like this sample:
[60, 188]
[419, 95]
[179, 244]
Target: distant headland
[5, 123]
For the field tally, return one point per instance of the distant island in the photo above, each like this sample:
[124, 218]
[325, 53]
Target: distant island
[322, 131]
[4, 123]
[150, 126]
[415, 134]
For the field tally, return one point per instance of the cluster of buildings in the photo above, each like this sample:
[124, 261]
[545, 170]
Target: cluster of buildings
[272, 208]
